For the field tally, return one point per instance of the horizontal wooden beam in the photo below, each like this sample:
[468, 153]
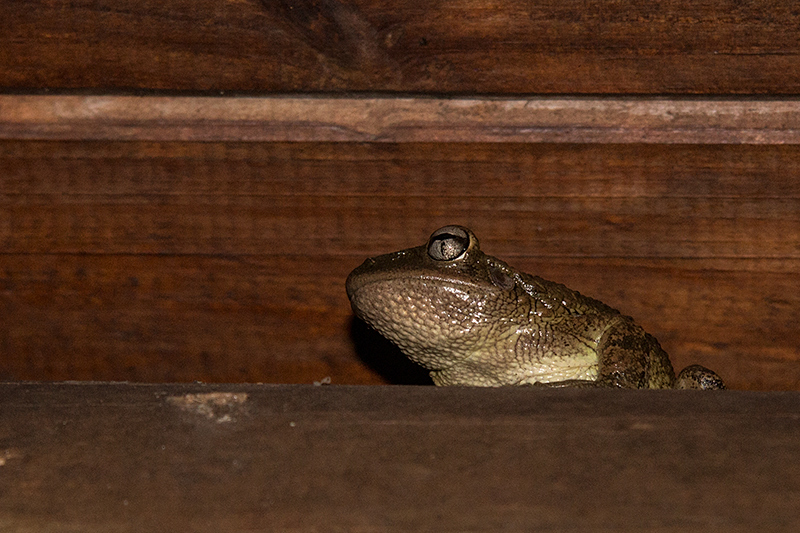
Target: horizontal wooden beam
[117, 457]
[503, 47]
[407, 119]
[225, 262]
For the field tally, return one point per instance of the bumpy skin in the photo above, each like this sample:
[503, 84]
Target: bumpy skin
[471, 319]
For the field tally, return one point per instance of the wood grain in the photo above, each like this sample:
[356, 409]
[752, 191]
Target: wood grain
[226, 261]
[115, 457]
[304, 118]
[452, 47]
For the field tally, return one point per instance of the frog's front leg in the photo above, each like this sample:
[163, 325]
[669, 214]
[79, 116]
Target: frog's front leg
[699, 377]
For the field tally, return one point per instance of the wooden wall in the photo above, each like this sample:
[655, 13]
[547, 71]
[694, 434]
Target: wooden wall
[439, 46]
[213, 246]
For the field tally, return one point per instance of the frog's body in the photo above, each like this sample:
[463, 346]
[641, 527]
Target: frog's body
[471, 319]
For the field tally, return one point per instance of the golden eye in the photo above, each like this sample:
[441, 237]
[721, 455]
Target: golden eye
[448, 243]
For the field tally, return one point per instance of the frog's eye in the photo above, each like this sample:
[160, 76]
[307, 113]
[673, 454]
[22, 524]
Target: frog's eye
[448, 243]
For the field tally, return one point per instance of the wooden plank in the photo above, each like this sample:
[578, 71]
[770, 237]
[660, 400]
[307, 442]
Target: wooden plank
[287, 319]
[419, 119]
[453, 47]
[226, 261]
[574, 200]
[117, 457]
[178, 318]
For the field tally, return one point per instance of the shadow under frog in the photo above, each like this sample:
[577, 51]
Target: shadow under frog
[470, 319]
[384, 357]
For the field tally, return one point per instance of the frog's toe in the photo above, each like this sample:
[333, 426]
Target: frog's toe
[698, 377]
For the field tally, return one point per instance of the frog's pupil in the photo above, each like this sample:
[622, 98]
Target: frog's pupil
[447, 247]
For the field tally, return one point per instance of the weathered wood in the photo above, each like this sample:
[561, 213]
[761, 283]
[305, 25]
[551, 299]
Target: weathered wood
[226, 261]
[421, 119]
[287, 320]
[115, 457]
[453, 47]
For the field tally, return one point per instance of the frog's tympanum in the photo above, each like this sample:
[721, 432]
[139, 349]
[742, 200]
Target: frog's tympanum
[471, 319]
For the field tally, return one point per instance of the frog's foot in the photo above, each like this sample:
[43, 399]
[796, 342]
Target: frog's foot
[698, 377]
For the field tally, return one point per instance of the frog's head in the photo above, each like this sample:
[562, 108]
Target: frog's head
[440, 302]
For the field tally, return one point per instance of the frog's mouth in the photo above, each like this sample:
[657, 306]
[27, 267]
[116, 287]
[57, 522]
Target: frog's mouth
[357, 281]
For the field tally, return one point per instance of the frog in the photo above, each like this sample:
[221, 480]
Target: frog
[470, 319]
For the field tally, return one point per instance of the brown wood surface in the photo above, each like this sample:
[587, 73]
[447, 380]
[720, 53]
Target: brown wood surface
[452, 47]
[115, 458]
[226, 261]
[420, 119]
